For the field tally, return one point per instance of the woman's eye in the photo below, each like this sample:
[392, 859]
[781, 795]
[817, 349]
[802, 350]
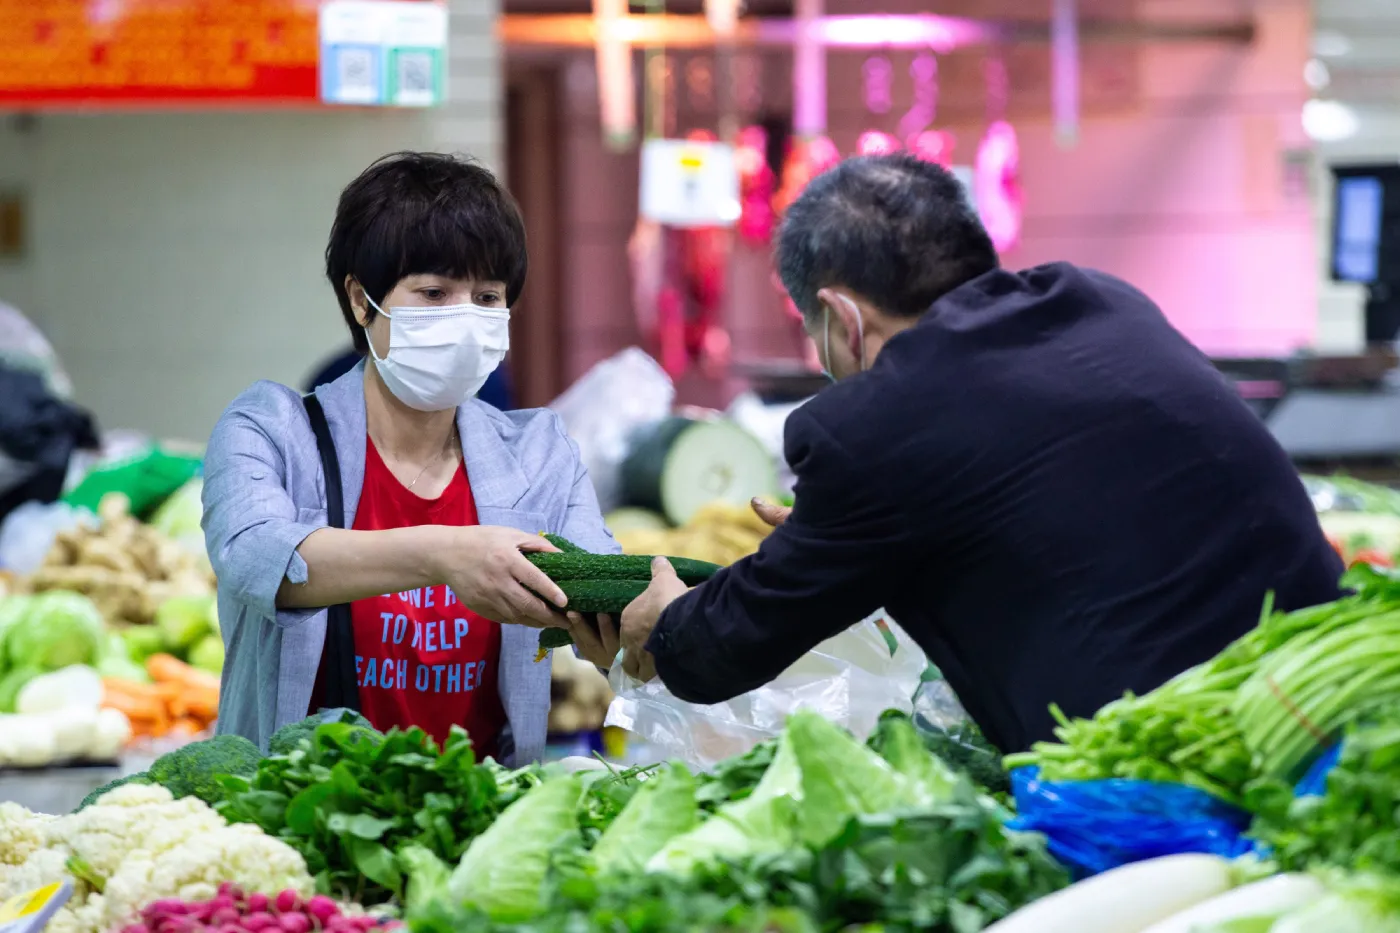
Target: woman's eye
[434, 294]
[488, 299]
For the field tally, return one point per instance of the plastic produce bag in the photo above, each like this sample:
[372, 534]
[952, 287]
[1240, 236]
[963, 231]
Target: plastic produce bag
[27, 534]
[601, 412]
[1093, 826]
[850, 679]
[146, 480]
[950, 732]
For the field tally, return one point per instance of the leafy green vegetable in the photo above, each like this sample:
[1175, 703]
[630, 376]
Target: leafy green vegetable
[291, 736]
[663, 808]
[349, 800]
[199, 768]
[1353, 824]
[897, 741]
[504, 870]
[184, 621]
[962, 748]
[57, 629]
[735, 778]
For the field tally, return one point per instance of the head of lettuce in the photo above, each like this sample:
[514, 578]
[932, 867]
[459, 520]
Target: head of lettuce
[53, 631]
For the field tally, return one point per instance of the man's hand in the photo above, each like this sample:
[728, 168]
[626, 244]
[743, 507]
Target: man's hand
[596, 646]
[639, 619]
[773, 515]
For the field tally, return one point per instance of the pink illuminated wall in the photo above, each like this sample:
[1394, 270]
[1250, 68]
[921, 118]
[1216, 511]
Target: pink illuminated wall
[1182, 190]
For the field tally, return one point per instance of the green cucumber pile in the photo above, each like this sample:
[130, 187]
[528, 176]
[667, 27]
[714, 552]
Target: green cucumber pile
[603, 583]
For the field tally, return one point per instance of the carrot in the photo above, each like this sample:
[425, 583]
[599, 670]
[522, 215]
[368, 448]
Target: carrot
[166, 668]
[136, 709]
[202, 703]
[129, 688]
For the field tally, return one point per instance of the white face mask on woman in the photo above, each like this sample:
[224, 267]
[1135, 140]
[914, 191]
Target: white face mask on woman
[439, 357]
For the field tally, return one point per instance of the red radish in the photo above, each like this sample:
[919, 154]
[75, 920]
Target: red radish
[287, 901]
[230, 928]
[169, 905]
[258, 903]
[322, 908]
[259, 921]
[225, 915]
[294, 923]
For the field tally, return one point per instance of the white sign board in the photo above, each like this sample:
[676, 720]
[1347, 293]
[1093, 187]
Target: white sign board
[30, 911]
[689, 184]
[378, 53]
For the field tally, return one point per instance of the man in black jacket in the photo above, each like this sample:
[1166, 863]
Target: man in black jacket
[1037, 476]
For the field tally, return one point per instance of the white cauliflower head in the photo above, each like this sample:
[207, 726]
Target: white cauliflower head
[137, 844]
[21, 833]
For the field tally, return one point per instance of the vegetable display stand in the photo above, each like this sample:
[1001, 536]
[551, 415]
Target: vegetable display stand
[682, 465]
[54, 790]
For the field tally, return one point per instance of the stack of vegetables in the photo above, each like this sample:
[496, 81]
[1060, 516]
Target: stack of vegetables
[719, 532]
[59, 719]
[579, 695]
[170, 698]
[1265, 707]
[127, 568]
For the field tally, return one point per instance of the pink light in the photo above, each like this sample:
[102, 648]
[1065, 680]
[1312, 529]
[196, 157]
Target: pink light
[998, 185]
[940, 33]
[875, 143]
[934, 146]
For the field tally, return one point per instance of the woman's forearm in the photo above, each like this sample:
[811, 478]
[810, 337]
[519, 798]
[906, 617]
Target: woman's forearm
[343, 566]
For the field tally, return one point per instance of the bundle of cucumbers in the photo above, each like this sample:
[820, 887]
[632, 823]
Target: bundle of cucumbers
[603, 583]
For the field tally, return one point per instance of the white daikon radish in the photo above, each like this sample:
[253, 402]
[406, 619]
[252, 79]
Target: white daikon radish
[1125, 900]
[75, 686]
[74, 730]
[1265, 900]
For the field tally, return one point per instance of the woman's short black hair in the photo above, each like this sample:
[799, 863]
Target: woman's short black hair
[423, 213]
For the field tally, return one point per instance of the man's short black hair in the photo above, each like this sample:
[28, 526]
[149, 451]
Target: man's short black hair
[894, 228]
[423, 213]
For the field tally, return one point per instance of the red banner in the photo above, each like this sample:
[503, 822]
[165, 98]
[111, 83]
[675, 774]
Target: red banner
[116, 53]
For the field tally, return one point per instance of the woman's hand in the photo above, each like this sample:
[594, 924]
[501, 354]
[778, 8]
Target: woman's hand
[488, 574]
[598, 646]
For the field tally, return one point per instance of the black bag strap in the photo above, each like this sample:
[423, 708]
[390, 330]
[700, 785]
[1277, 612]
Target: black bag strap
[342, 689]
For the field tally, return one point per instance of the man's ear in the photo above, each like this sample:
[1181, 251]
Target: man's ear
[846, 307]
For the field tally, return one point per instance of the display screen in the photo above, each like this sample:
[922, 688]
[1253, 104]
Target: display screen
[1360, 208]
[152, 52]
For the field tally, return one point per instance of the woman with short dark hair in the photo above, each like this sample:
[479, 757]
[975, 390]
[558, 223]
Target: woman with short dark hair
[368, 537]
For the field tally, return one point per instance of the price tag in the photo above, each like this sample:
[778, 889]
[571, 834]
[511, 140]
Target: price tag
[29, 912]
[689, 184]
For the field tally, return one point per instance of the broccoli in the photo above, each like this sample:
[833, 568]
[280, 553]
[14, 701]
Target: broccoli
[140, 777]
[288, 738]
[194, 770]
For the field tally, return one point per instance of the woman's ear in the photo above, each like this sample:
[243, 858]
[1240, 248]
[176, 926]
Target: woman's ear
[358, 304]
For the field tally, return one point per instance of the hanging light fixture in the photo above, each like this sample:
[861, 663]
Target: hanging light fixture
[616, 88]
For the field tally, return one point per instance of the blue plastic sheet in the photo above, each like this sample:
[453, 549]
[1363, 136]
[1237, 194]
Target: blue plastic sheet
[1093, 826]
[1314, 783]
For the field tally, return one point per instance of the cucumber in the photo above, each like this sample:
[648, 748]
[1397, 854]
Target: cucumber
[569, 565]
[683, 464]
[551, 638]
[563, 544]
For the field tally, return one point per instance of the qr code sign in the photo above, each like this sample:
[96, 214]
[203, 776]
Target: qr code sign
[356, 75]
[415, 84]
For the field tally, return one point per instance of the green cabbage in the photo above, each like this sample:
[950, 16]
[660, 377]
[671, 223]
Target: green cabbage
[184, 620]
[59, 629]
[504, 869]
[208, 655]
[12, 610]
[663, 808]
[142, 641]
[820, 778]
[180, 515]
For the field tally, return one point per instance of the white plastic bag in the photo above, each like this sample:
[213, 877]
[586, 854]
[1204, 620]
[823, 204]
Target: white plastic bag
[27, 534]
[850, 679]
[601, 412]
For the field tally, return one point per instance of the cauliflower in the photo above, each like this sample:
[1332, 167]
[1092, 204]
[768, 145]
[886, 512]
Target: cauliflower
[138, 844]
[21, 834]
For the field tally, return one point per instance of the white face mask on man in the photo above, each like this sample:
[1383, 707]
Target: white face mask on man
[439, 357]
[860, 331]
